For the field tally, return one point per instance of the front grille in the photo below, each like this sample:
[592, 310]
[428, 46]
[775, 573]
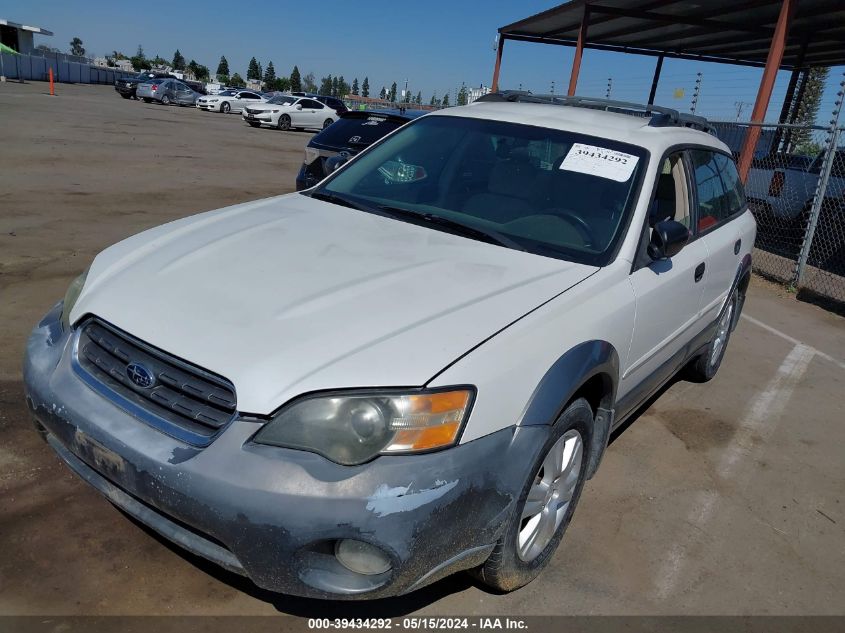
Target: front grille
[184, 401]
[253, 111]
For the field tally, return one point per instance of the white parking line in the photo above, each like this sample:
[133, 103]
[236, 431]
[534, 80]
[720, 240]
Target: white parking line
[758, 423]
[792, 340]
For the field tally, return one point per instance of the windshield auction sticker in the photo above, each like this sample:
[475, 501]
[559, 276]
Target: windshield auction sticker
[598, 161]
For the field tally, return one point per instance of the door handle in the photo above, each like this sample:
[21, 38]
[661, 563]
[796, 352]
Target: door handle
[699, 272]
[737, 246]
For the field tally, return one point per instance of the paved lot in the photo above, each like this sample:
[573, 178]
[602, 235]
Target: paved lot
[725, 498]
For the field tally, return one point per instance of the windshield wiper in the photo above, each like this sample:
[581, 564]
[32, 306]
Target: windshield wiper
[339, 200]
[452, 226]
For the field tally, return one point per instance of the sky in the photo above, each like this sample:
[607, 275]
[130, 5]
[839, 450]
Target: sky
[436, 45]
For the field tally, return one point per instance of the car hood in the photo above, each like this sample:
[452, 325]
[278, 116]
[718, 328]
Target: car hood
[290, 295]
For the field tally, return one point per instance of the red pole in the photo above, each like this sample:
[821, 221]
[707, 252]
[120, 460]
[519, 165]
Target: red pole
[579, 51]
[764, 93]
[52, 90]
[495, 85]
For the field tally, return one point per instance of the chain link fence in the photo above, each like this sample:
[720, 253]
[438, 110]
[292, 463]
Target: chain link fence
[796, 191]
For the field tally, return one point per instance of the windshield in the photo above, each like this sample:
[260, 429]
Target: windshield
[282, 100]
[546, 191]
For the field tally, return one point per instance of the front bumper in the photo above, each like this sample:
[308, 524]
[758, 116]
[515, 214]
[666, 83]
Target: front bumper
[256, 118]
[273, 514]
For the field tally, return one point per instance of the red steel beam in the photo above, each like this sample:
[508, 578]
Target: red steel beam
[579, 51]
[767, 82]
[495, 85]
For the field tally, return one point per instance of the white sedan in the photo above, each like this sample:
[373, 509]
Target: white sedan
[229, 101]
[285, 112]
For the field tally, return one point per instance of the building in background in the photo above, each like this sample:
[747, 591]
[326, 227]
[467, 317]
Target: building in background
[477, 93]
[20, 37]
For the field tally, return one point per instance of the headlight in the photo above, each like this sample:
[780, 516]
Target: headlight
[72, 294]
[311, 155]
[354, 428]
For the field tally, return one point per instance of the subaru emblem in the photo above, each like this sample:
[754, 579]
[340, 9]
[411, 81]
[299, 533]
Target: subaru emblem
[140, 375]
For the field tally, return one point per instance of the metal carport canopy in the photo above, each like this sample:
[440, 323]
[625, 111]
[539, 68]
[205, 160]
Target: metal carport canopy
[725, 31]
[772, 34]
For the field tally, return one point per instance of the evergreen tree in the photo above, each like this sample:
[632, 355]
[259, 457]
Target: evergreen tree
[342, 87]
[445, 102]
[139, 60]
[355, 86]
[433, 101]
[392, 96]
[178, 62]
[237, 81]
[295, 80]
[801, 141]
[419, 98]
[309, 83]
[252, 71]
[223, 70]
[383, 93]
[270, 76]
[463, 96]
[326, 86]
[365, 87]
[335, 84]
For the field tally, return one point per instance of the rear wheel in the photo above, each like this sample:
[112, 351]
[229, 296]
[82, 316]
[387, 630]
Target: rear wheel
[284, 122]
[125, 96]
[165, 100]
[327, 123]
[705, 366]
[545, 505]
[225, 108]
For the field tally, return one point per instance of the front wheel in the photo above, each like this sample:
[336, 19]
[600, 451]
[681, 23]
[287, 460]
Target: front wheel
[705, 366]
[225, 108]
[545, 505]
[327, 123]
[284, 122]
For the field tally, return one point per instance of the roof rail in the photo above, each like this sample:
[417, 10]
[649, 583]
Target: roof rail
[660, 116]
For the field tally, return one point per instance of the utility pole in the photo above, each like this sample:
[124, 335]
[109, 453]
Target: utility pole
[696, 93]
[609, 87]
[553, 86]
[740, 106]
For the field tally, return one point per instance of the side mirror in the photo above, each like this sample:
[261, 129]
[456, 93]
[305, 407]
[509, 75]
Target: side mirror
[335, 162]
[299, 106]
[667, 239]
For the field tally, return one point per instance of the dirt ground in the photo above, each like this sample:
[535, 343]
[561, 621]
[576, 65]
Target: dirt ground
[724, 498]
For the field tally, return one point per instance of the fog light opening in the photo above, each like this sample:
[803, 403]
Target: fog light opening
[361, 557]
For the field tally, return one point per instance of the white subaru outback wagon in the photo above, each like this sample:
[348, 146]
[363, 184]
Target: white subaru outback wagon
[412, 368]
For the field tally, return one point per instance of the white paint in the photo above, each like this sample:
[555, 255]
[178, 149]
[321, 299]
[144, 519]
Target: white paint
[386, 500]
[792, 340]
[758, 423]
[599, 161]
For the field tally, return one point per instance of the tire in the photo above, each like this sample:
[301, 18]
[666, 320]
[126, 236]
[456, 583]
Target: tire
[327, 123]
[254, 124]
[225, 108]
[124, 96]
[517, 559]
[704, 367]
[165, 100]
[147, 100]
[284, 122]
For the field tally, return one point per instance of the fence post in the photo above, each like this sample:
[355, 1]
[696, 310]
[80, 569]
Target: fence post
[832, 144]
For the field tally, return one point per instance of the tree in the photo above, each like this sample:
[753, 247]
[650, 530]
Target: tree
[365, 87]
[295, 80]
[355, 86]
[199, 71]
[139, 61]
[178, 61]
[801, 141]
[419, 97]
[342, 87]
[326, 85]
[309, 83]
[335, 85]
[434, 100]
[445, 102]
[76, 47]
[463, 96]
[47, 49]
[223, 70]
[270, 75]
[383, 93]
[252, 72]
[237, 81]
[158, 60]
[392, 96]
